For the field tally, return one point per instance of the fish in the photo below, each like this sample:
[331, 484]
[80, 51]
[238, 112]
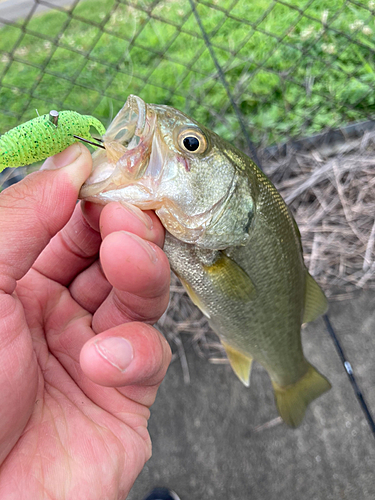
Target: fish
[230, 239]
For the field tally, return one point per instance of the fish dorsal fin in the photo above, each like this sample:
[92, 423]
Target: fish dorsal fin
[240, 363]
[230, 279]
[315, 300]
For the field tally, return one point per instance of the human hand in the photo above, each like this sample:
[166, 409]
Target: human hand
[79, 364]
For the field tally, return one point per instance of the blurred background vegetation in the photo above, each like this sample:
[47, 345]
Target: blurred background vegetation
[295, 67]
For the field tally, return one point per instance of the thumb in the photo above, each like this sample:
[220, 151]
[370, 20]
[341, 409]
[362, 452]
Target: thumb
[35, 209]
[132, 354]
[31, 212]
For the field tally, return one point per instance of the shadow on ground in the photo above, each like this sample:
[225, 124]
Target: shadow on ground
[205, 437]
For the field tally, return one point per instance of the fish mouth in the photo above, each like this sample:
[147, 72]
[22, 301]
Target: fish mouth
[127, 151]
[139, 167]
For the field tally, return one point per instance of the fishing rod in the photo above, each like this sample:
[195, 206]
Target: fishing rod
[349, 371]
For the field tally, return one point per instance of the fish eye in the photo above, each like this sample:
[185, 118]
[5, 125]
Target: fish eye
[192, 141]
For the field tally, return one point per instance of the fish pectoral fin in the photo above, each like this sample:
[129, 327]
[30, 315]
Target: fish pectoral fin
[194, 298]
[240, 363]
[230, 279]
[315, 300]
[293, 399]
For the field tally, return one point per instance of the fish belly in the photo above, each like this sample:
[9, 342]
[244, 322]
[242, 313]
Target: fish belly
[263, 323]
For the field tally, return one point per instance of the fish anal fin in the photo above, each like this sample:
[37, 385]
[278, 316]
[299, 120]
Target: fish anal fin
[230, 279]
[293, 399]
[315, 300]
[240, 363]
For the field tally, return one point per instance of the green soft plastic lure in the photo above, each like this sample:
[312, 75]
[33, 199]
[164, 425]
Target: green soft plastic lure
[45, 136]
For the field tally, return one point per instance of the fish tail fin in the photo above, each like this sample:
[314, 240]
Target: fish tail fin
[292, 400]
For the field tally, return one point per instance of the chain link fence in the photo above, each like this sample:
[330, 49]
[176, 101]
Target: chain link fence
[259, 73]
[293, 68]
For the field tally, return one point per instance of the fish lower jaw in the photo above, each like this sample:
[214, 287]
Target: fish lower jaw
[187, 229]
[137, 194]
[145, 204]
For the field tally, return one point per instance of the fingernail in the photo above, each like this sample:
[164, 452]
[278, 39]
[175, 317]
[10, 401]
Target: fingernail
[66, 157]
[117, 351]
[137, 212]
[145, 245]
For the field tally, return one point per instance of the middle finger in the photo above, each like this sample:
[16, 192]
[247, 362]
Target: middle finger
[90, 288]
[139, 272]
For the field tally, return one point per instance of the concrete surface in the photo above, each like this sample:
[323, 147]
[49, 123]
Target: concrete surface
[206, 445]
[12, 10]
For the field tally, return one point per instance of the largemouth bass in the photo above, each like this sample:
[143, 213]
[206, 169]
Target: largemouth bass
[230, 239]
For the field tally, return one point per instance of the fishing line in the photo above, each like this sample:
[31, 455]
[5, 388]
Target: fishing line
[349, 370]
[98, 145]
[347, 366]
[224, 82]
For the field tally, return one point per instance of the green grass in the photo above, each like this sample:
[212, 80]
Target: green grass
[314, 78]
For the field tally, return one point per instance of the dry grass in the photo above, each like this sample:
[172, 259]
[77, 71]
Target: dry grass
[333, 201]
